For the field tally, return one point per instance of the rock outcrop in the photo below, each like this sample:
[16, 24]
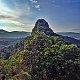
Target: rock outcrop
[43, 26]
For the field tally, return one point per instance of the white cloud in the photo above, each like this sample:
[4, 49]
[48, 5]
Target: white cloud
[17, 23]
[34, 1]
[35, 4]
[37, 7]
[5, 11]
[22, 9]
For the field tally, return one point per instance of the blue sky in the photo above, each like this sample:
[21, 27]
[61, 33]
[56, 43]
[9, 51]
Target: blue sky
[21, 15]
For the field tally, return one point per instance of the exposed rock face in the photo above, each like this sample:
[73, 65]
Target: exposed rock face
[42, 26]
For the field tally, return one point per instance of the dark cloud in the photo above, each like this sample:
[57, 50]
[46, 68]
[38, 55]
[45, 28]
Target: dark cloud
[3, 17]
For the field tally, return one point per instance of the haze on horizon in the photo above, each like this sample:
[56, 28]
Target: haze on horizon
[21, 15]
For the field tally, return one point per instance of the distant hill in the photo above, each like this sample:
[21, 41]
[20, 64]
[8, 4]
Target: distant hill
[11, 38]
[70, 34]
[2, 31]
[14, 34]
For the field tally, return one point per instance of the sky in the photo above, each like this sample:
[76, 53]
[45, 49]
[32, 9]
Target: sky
[21, 15]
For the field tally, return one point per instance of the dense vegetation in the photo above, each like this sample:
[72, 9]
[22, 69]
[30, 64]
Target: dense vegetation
[7, 46]
[42, 58]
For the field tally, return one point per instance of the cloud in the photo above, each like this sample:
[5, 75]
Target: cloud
[34, 1]
[5, 11]
[18, 10]
[37, 7]
[3, 17]
[19, 17]
[35, 4]
[17, 23]
[7, 14]
[22, 8]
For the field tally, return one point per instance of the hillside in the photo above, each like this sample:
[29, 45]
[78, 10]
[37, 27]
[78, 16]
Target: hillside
[42, 56]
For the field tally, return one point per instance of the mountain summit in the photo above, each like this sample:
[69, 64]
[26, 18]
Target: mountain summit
[43, 26]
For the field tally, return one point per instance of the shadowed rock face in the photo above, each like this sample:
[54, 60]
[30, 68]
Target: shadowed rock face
[42, 26]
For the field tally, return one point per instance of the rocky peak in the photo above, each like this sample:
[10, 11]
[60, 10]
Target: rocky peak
[42, 26]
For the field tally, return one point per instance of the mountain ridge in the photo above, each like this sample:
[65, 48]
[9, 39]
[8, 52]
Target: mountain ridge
[13, 34]
[10, 31]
